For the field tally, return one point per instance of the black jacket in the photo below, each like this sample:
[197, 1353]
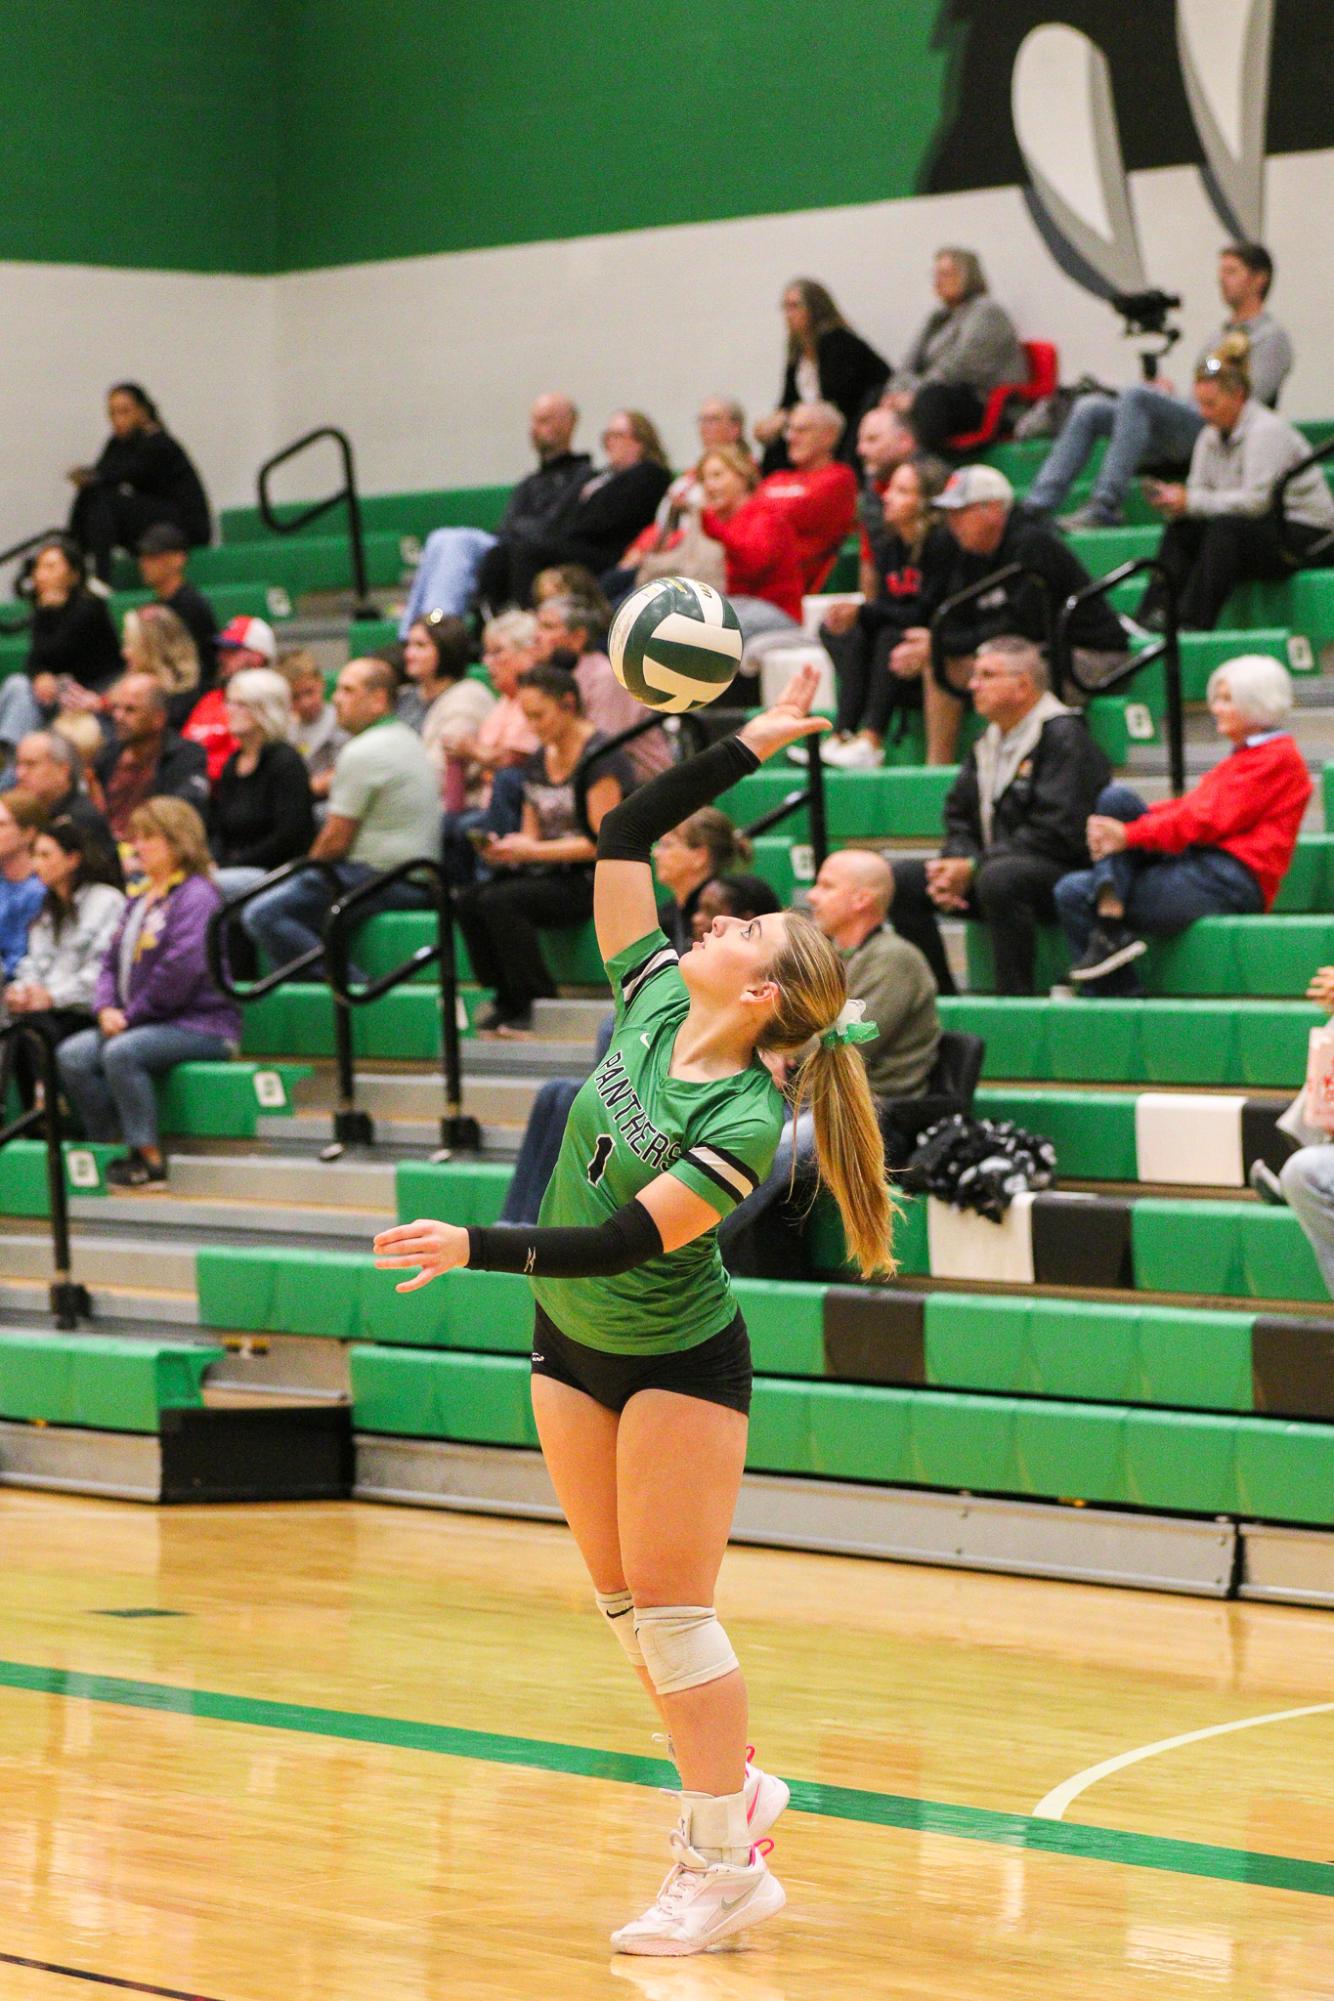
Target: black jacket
[77, 806]
[152, 463]
[197, 616]
[1045, 808]
[182, 769]
[266, 818]
[1018, 607]
[536, 499]
[601, 516]
[910, 587]
[851, 375]
[75, 638]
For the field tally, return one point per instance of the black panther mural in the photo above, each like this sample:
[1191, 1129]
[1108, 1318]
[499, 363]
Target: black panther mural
[1217, 84]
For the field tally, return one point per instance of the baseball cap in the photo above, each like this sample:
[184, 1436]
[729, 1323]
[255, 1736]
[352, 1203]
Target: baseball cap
[162, 539]
[256, 634]
[971, 485]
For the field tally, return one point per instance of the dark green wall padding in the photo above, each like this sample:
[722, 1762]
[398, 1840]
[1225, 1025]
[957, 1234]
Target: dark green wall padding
[98, 1381]
[1111, 1454]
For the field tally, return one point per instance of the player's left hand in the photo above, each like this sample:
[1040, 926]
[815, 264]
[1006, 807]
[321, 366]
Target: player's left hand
[790, 717]
[431, 1247]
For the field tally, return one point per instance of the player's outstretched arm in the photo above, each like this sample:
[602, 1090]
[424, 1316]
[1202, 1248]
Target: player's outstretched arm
[623, 905]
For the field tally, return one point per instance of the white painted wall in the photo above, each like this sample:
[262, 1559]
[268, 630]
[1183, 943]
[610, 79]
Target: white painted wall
[430, 362]
[202, 346]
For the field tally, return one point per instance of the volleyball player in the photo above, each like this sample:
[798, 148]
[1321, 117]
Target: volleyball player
[641, 1364]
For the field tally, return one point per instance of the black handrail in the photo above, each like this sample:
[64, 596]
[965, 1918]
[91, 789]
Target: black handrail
[69, 1300]
[689, 724]
[1314, 550]
[353, 1127]
[970, 595]
[216, 937]
[10, 626]
[1168, 650]
[812, 795]
[347, 492]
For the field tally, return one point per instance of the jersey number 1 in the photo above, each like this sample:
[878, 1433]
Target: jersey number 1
[602, 1153]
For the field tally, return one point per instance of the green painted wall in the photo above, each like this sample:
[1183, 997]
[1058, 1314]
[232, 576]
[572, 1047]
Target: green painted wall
[140, 133]
[431, 125]
[267, 135]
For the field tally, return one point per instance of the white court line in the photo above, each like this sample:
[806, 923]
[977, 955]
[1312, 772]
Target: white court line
[1054, 1805]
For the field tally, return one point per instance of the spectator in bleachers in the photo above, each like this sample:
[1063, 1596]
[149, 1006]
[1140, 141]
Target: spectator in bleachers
[849, 900]
[164, 556]
[966, 348]
[762, 561]
[1221, 850]
[817, 492]
[495, 755]
[597, 518]
[826, 363]
[143, 476]
[73, 652]
[544, 873]
[437, 654]
[884, 443]
[384, 809]
[573, 580]
[453, 567]
[1148, 424]
[1306, 1180]
[571, 633]
[47, 765]
[1222, 528]
[977, 503]
[154, 641]
[242, 643]
[261, 812]
[1015, 819]
[914, 555]
[674, 544]
[155, 1001]
[739, 893]
[145, 758]
[21, 820]
[52, 985]
[687, 859]
[315, 730]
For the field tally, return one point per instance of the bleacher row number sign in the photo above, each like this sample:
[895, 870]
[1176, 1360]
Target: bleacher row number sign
[270, 1092]
[1139, 722]
[83, 1172]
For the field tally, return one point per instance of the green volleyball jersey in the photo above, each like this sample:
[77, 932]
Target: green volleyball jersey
[632, 1122]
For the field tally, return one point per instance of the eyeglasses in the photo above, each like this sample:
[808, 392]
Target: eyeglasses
[616, 431]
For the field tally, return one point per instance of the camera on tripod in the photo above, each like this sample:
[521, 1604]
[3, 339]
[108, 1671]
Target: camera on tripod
[1145, 315]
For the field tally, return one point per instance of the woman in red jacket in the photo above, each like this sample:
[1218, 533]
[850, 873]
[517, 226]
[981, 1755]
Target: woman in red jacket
[1221, 851]
[763, 563]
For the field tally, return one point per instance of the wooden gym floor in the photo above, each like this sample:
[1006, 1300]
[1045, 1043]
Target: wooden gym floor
[349, 1753]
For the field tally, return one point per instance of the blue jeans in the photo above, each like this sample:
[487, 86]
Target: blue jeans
[1308, 1183]
[1161, 894]
[20, 711]
[109, 1080]
[542, 1137]
[502, 814]
[289, 919]
[446, 578]
[1143, 426]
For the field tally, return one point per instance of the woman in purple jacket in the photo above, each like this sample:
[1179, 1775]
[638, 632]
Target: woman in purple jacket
[155, 1000]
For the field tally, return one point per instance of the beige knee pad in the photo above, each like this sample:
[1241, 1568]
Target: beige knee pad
[683, 1646]
[618, 1609]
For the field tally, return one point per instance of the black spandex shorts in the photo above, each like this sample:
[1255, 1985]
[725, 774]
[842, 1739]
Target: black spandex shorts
[717, 1370]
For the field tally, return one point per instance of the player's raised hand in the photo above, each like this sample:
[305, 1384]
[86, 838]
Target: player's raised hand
[790, 717]
[427, 1246]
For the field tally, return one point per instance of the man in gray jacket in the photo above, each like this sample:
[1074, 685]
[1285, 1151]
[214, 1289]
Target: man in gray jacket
[1222, 525]
[1147, 424]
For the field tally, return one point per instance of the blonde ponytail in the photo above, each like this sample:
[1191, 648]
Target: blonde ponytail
[849, 1149]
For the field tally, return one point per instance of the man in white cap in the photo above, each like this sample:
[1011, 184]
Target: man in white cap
[978, 504]
[243, 642]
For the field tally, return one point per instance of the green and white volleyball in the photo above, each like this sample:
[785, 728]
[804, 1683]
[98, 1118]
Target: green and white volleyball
[675, 644]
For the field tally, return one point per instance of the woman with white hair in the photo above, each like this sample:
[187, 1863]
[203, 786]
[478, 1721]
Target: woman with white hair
[261, 811]
[1220, 851]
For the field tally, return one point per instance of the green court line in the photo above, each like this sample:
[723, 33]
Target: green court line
[967, 1823]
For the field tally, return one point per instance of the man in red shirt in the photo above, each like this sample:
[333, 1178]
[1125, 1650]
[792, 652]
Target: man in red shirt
[243, 642]
[1220, 850]
[817, 492]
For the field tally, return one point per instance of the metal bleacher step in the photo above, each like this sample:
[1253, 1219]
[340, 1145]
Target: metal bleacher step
[134, 1261]
[289, 1182]
[116, 1309]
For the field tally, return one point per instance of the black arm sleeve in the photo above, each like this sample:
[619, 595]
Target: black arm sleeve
[628, 832]
[627, 1239]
